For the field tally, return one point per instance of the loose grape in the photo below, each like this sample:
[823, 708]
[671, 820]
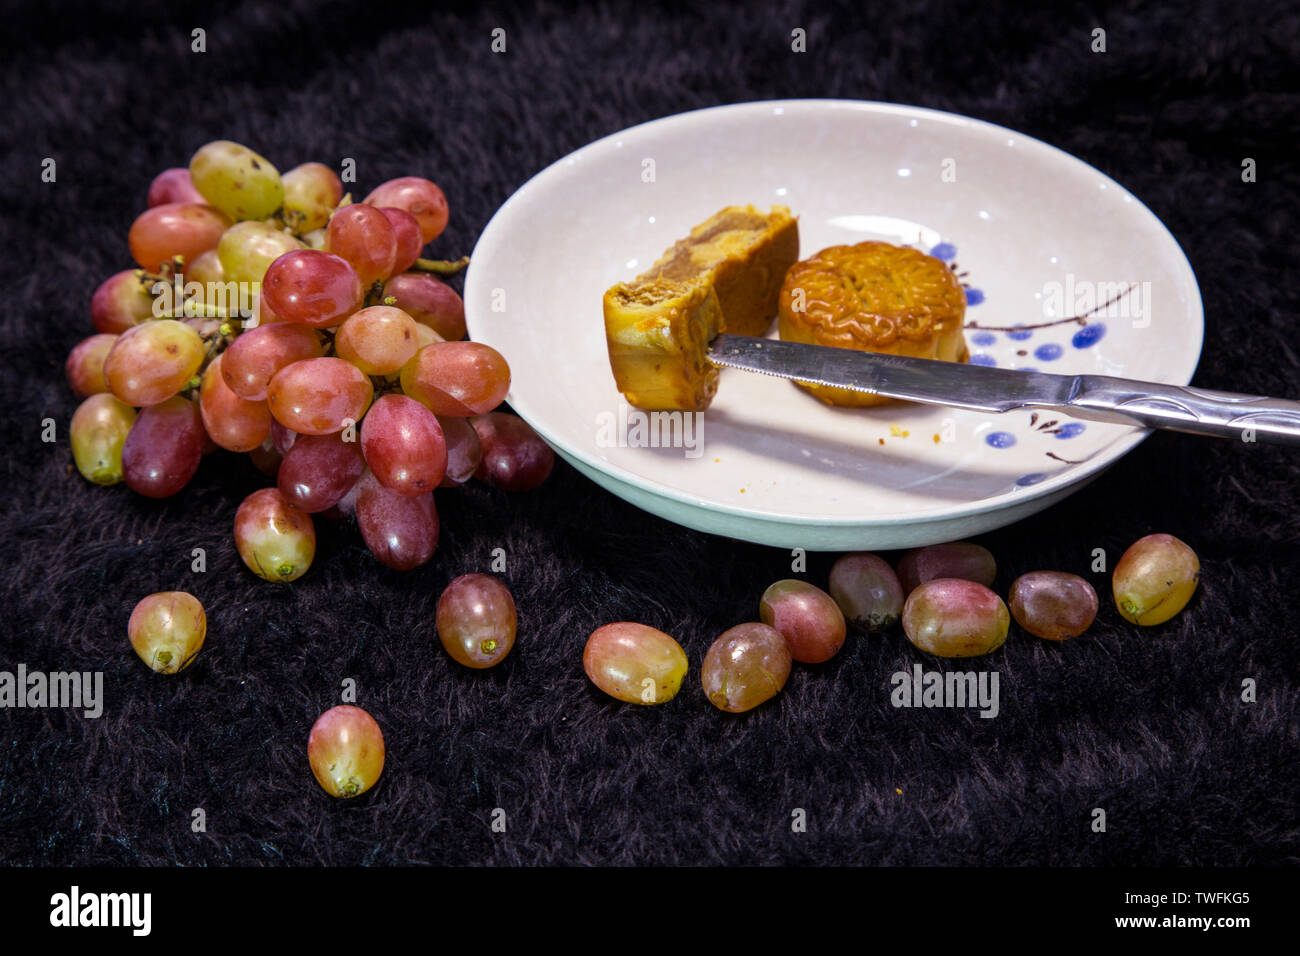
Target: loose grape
[318, 396]
[956, 559]
[164, 448]
[953, 617]
[867, 590]
[464, 450]
[167, 629]
[403, 445]
[457, 378]
[807, 617]
[151, 362]
[98, 431]
[400, 532]
[634, 663]
[421, 198]
[747, 665]
[311, 191]
[173, 185]
[275, 539]
[363, 236]
[234, 423]
[318, 470]
[314, 288]
[1053, 605]
[121, 301]
[476, 620]
[1155, 579]
[254, 357]
[409, 238]
[247, 249]
[429, 301]
[378, 340]
[514, 457]
[85, 365]
[236, 180]
[346, 751]
[183, 229]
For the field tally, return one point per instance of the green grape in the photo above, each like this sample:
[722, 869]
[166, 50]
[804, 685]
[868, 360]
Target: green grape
[311, 191]
[1155, 579]
[167, 629]
[745, 666]
[98, 432]
[247, 249]
[237, 180]
[634, 663]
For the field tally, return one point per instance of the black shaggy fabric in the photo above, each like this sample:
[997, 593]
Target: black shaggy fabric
[1148, 725]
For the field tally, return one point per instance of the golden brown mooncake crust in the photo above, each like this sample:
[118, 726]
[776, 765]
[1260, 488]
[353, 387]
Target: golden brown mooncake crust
[874, 297]
[725, 276]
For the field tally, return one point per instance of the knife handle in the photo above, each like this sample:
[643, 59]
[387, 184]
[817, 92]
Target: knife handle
[1187, 409]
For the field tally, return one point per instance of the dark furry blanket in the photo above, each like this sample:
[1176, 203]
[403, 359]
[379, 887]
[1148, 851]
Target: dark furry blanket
[1146, 724]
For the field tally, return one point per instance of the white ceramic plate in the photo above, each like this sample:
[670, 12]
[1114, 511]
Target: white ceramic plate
[1033, 232]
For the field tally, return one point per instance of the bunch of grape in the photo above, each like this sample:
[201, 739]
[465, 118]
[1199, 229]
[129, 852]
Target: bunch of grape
[271, 315]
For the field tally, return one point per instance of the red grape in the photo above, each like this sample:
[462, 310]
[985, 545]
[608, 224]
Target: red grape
[175, 229]
[403, 445]
[515, 458]
[457, 378]
[153, 361]
[421, 198]
[121, 301]
[430, 302]
[409, 238]
[164, 447]
[318, 396]
[400, 532]
[254, 357]
[85, 365]
[809, 620]
[365, 238]
[234, 423]
[378, 340]
[314, 288]
[318, 470]
[173, 185]
[464, 450]
[476, 620]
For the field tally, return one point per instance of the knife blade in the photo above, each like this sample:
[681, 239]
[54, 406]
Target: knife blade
[983, 388]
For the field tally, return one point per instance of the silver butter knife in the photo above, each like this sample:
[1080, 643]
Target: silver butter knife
[981, 388]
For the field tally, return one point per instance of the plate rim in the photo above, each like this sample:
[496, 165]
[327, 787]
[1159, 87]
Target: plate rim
[1107, 457]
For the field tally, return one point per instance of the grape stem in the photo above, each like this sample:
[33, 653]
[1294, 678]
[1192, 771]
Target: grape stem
[442, 267]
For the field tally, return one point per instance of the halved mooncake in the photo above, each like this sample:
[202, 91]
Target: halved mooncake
[724, 277]
[874, 297]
